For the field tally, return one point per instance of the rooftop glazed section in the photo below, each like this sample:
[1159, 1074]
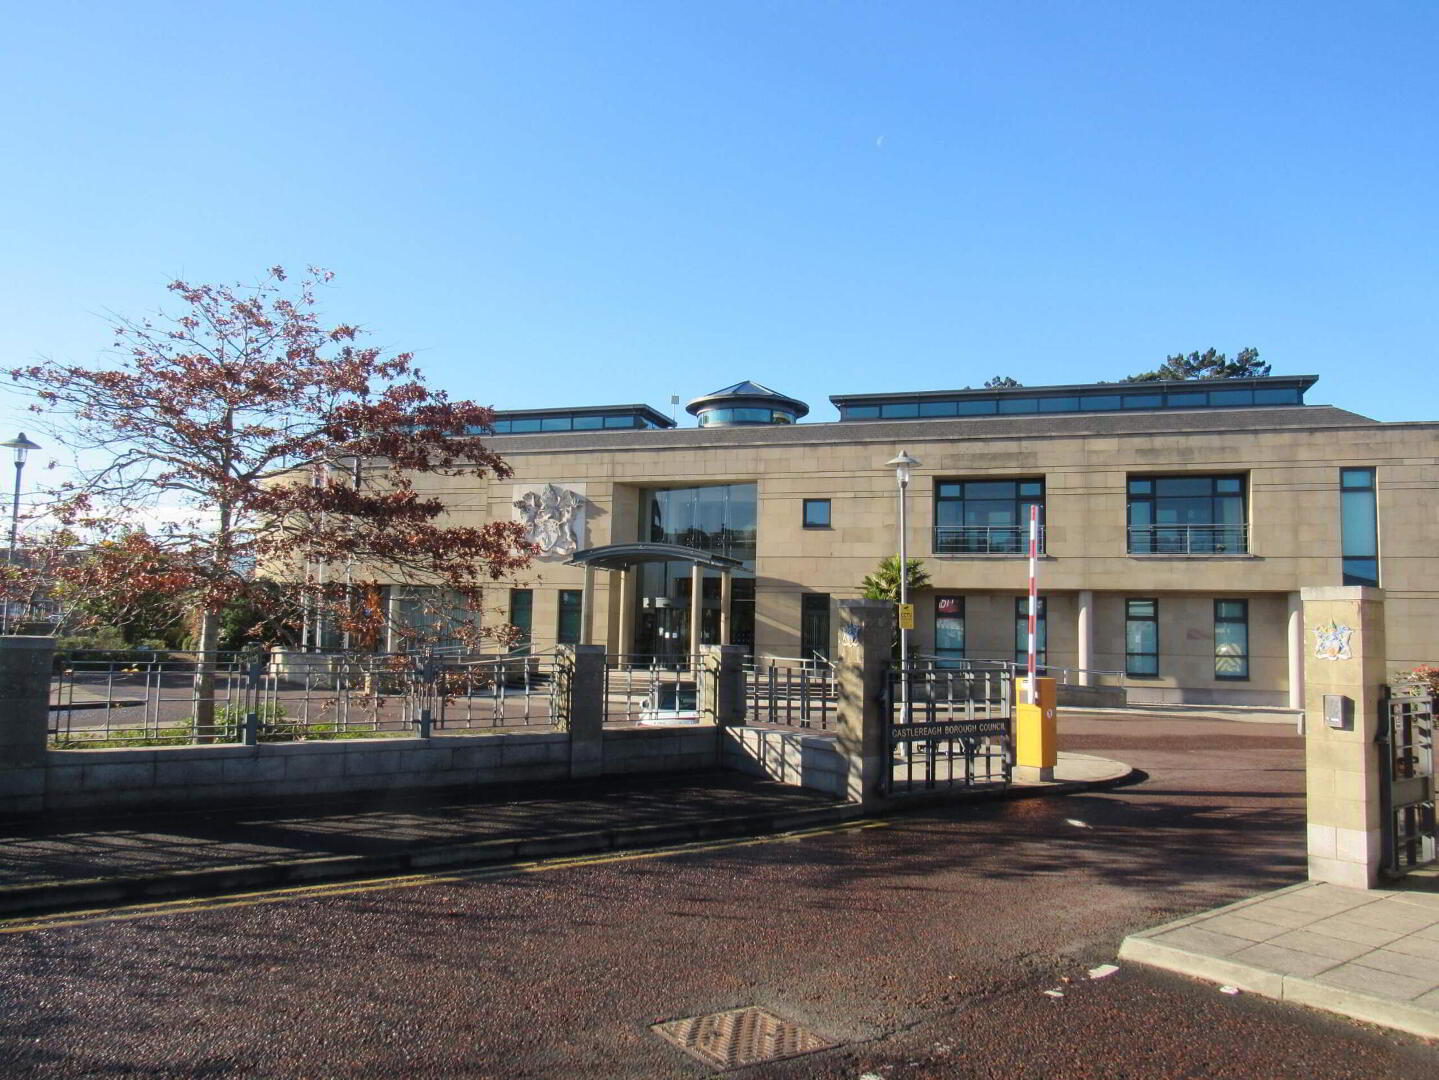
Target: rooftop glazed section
[1094, 397]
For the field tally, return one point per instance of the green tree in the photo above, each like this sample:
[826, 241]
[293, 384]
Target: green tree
[1209, 364]
[883, 584]
[1001, 382]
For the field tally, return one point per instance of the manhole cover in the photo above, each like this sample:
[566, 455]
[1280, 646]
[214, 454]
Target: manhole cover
[738, 1037]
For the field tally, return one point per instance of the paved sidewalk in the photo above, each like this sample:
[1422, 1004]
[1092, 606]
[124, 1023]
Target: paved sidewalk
[63, 862]
[1372, 955]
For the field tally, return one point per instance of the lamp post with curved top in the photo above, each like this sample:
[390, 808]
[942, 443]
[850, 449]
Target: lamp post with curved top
[902, 464]
[21, 447]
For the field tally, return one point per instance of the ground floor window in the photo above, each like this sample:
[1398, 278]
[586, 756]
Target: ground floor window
[1141, 638]
[1021, 630]
[1231, 639]
[814, 625]
[572, 603]
[522, 606]
[949, 627]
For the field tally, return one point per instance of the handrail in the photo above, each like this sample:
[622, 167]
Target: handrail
[1210, 539]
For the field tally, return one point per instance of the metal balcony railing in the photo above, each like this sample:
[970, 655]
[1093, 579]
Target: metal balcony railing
[1189, 539]
[984, 539]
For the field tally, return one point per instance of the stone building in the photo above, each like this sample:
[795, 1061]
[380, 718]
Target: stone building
[1179, 522]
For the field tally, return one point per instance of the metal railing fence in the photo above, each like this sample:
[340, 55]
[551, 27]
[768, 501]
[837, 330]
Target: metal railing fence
[1407, 765]
[1189, 539]
[177, 698]
[949, 726]
[984, 539]
[791, 692]
[642, 688]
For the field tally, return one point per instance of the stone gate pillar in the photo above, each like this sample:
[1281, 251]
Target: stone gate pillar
[866, 631]
[583, 714]
[25, 665]
[1344, 658]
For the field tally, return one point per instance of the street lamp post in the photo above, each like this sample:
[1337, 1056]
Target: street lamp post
[21, 446]
[903, 463]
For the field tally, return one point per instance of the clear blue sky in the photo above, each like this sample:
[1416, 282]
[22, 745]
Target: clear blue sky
[569, 203]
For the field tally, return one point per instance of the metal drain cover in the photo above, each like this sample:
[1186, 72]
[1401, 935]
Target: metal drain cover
[728, 1040]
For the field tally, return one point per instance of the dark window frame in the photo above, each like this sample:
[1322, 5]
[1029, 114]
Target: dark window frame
[963, 650]
[1192, 538]
[570, 605]
[1041, 631]
[1153, 619]
[526, 624]
[815, 610]
[1223, 660]
[1349, 562]
[964, 539]
[817, 503]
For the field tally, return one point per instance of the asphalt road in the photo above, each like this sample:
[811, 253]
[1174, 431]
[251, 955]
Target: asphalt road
[922, 947]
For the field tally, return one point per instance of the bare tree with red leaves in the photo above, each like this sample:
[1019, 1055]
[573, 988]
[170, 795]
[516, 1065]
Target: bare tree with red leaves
[245, 408]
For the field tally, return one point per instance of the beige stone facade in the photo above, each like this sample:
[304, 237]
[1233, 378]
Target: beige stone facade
[1289, 458]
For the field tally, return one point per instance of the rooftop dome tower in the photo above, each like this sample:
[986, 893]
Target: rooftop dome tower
[746, 403]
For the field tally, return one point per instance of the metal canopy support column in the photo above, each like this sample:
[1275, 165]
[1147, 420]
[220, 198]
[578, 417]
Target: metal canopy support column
[587, 608]
[627, 613]
[726, 600]
[697, 580]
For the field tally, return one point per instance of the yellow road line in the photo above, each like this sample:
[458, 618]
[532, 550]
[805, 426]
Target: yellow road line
[407, 881]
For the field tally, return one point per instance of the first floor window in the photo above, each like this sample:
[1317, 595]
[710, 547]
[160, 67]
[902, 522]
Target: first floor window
[1358, 527]
[816, 513]
[1141, 637]
[571, 611]
[1231, 639]
[1021, 631]
[949, 627]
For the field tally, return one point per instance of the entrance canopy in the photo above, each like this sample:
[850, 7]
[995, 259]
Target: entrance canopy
[619, 556]
[623, 557]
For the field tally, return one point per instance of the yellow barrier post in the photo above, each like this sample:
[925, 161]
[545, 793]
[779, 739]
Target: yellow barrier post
[1036, 731]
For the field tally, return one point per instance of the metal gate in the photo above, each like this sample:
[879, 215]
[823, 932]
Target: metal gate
[1406, 760]
[950, 726]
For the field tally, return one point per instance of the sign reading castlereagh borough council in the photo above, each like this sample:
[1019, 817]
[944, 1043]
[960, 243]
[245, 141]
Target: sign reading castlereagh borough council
[949, 729]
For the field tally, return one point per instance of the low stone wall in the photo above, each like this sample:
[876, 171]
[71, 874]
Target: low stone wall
[800, 758]
[1072, 696]
[172, 776]
[679, 749]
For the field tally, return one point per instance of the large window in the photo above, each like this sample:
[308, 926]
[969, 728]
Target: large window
[1021, 631]
[1187, 515]
[572, 603]
[719, 518]
[522, 603]
[1231, 639]
[949, 628]
[814, 625]
[1141, 637]
[1359, 526]
[986, 517]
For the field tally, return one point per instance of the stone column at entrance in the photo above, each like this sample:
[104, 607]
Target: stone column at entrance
[1343, 630]
[697, 582]
[866, 628]
[1296, 651]
[1086, 635]
[726, 602]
